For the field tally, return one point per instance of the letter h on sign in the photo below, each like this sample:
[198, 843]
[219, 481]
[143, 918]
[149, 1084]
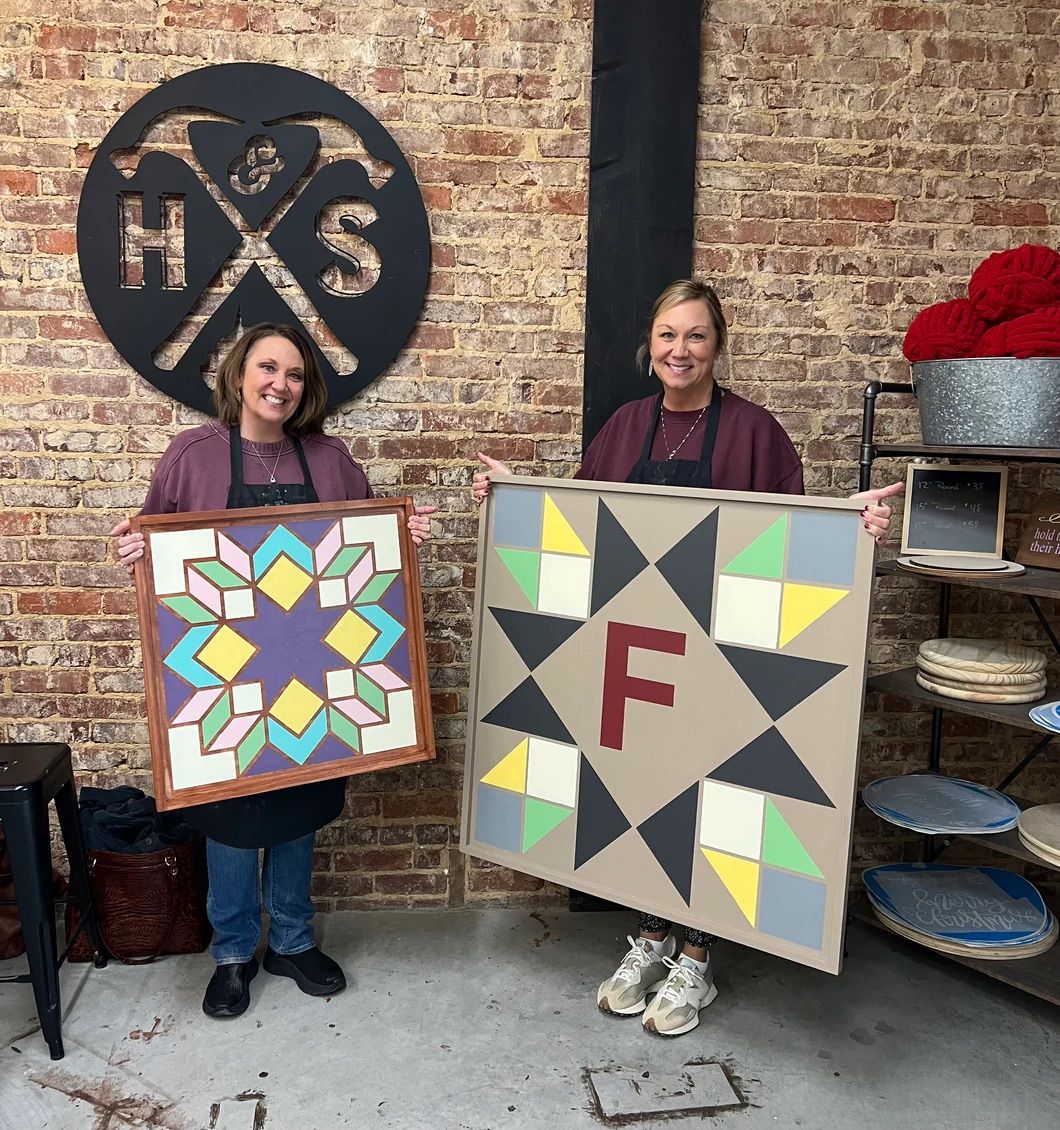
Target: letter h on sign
[152, 241]
[620, 685]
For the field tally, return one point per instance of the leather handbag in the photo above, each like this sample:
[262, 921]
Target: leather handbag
[11, 940]
[147, 903]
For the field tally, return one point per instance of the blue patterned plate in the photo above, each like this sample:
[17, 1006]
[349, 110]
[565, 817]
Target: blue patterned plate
[934, 804]
[974, 906]
[1047, 715]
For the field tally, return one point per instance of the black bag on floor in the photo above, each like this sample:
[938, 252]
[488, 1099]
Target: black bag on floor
[147, 870]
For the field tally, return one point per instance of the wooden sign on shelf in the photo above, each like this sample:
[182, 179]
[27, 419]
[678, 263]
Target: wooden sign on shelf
[1040, 539]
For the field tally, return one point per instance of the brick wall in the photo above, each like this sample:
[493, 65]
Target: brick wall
[856, 161]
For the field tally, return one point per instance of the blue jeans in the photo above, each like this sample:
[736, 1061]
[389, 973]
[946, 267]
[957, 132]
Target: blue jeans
[234, 900]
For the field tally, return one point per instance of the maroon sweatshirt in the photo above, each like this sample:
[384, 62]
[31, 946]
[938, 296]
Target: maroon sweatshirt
[752, 451]
[194, 472]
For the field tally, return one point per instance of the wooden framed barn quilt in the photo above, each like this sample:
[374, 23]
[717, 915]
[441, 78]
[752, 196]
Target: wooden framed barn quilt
[666, 700]
[281, 645]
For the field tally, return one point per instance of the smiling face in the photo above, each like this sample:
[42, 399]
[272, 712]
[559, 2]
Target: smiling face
[683, 344]
[271, 387]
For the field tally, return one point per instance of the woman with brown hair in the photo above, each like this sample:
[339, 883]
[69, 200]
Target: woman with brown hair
[266, 448]
[693, 433]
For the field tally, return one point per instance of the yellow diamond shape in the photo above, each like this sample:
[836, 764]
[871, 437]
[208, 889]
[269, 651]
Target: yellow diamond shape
[296, 707]
[285, 583]
[226, 654]
[351, 637]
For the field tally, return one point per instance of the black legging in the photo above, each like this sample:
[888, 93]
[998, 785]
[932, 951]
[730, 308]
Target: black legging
[651, 924]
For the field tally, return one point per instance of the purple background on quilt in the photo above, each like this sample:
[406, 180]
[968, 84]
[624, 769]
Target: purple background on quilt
[268, 761]
[170, 630]
[310, 530]
[271, 761]
[248, 537]
[304, 652]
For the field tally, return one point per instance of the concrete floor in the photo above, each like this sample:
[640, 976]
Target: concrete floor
[486, 1019]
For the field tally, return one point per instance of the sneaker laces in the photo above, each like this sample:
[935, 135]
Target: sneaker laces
[640, 955]
[681, 979]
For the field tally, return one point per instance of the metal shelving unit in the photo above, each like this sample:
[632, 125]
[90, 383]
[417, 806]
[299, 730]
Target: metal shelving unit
[1039, 976]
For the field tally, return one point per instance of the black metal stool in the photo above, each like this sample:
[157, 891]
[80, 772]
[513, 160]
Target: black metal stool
[31, 775]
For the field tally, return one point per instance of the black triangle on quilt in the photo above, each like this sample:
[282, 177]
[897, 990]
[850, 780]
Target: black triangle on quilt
[527, 710]
[770, 765]
[689, 569]
[600, 820]
[534, 635]
[671, 837]
[779, 682]
[616, 559]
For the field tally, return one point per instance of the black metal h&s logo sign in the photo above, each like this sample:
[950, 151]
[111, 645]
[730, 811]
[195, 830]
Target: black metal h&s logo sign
[211, 203]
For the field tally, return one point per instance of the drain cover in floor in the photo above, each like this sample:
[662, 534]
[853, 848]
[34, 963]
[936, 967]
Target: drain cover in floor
[631, 1094]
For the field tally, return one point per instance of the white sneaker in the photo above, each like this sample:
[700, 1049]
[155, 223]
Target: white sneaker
[641, 972]
[675, 1009]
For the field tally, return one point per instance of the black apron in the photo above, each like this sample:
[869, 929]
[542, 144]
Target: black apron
[679, 472]
[286, 814]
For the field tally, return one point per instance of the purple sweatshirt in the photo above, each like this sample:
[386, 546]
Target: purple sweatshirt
[752, 452]
[194, 471]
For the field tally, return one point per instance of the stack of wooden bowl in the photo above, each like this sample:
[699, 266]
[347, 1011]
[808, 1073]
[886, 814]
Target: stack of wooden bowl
[1039, 830]
[981, 670]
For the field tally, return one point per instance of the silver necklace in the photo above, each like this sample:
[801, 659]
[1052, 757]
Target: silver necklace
[666, 442]
[272, 473]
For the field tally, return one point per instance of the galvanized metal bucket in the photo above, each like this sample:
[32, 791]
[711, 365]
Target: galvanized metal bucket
[989, 401]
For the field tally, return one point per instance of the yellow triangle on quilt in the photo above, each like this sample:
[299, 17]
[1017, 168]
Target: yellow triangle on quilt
[510, 772]
[557, 536]
[740, 877]
[801, 605]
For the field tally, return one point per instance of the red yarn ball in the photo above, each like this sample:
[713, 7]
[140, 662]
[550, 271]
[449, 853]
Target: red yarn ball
[945, 330]
[1012, 283]
[1033, 335]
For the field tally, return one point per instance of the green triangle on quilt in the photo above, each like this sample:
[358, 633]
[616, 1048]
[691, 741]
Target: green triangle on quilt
[539, 818]
[764, 557]
[525, 566]
[782, 848]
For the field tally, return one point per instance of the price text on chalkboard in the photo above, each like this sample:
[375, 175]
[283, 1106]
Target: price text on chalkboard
[954, 510]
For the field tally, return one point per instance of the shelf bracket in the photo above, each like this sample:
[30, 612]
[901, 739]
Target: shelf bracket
[1036, 608]
[1039, 747]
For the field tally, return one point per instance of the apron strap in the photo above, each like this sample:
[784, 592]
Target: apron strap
[235, 455]
[705, 474]
[649, 439]
[307, 478]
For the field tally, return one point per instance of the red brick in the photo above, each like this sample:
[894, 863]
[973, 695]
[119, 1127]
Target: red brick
[203, 14]
[386, 79]
[410, 883]
[575, 203]
[419, 804]
[1010, 215]
[59, 603]
[70, 328]
[855, 208]
[56, 242]
[483, 143]
[18, 182]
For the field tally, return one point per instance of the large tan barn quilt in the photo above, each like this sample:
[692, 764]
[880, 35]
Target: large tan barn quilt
[666, 700]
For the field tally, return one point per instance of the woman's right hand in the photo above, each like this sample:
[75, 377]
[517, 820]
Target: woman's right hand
[128, 545]
[480, 483]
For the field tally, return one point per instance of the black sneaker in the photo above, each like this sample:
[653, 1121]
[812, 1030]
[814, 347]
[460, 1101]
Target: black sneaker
[228, 992]
[312, 971]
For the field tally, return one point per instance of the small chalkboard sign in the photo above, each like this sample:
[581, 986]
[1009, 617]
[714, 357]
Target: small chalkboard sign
[1040, 541]
[954, 510]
